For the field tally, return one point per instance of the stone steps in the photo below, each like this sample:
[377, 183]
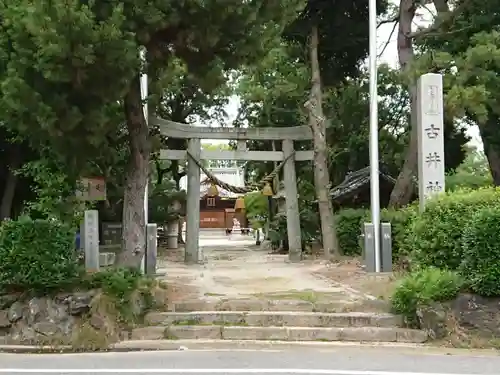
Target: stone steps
[218, 332]
[273, 318]
[276, 325]
[255, 304]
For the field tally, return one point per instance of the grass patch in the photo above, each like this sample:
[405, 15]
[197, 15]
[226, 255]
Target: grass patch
[300, 295]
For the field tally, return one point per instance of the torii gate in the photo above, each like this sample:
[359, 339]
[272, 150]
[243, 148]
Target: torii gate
[193, 252]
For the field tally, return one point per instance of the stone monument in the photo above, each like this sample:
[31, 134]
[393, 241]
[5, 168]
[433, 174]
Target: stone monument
[431, 168]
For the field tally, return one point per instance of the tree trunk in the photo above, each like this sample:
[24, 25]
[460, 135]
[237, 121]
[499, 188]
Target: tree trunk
[321, 175]
[137, 171]
[404, 188]
[10, 185]
[491, 143]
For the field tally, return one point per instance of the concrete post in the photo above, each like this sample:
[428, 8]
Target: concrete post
[152, 246]
[193, 253]
[430, 137]
[292, 204]
[369, 246]
[386, 247]
[90, 236]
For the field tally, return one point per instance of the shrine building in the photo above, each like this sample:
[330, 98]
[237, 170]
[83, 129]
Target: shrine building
[217, 206]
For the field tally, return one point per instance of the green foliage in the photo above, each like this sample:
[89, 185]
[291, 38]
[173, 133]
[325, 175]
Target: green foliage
[161, 200]
[278, 229]
[473, 173]
[116, 282]
[423, 287]
[257, 209]
[349, 229]
[55, 191]
[481, 244]
[37, 255]
[121, 284]
[339, 52]
[434, 238]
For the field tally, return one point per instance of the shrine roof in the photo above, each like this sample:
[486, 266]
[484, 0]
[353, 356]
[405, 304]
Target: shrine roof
[357, 179]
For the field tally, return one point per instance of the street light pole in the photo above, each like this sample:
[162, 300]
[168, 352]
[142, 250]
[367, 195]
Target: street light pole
[144, 95]
[374, 156]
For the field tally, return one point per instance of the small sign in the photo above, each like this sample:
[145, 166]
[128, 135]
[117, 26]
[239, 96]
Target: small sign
[433, 97]
[92, 189]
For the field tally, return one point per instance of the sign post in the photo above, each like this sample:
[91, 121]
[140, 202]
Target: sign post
[430, 127]
[90, 238]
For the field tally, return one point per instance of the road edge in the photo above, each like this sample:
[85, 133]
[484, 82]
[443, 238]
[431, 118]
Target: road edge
[241, 345]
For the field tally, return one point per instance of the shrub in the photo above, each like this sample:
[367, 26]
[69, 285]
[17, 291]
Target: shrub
[122, 284]
[349, 229]
[36, 255]
[481, 245]
[421, 288]
[435, 236]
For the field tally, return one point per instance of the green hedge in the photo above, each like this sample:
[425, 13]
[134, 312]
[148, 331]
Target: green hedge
[422, 287]
[36, 255]
[481, 246]
[434, 237]
[349, 228]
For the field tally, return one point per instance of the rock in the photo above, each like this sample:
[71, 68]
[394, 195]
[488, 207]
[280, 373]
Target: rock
[46, 328]
[98, 322]
[432, 318]
[15, 312]
[79, 303]
[7, 300]
[23, 334]
[43, 320]
[4, 319]
[56, 312]
[37, 307]
[478, 313]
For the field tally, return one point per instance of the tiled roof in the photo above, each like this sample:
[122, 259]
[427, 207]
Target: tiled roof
[233, 176]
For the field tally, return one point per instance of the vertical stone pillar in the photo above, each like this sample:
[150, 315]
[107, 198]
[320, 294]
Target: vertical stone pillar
[151, 254]
[292, 204]
[172, 228]
[193, 253]
[90, 237]
[430, 137]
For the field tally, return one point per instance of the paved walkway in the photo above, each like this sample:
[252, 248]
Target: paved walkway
[237, 269]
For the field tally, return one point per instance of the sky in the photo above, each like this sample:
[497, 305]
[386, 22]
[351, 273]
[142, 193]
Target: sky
[389, 56]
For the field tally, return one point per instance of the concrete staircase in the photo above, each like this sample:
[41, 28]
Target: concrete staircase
[273, 321]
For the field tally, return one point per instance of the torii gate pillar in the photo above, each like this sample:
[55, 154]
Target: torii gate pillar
[193, 253]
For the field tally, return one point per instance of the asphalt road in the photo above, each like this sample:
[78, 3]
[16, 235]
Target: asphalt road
[338, 361]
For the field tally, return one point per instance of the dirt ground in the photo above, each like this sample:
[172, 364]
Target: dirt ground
[239, 271]
[349, 271]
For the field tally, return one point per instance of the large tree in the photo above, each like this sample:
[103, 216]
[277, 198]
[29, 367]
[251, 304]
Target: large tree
[465, 47]
[70, 72]
[335, 34]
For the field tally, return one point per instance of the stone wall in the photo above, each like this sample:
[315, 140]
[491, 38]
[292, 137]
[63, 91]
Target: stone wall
[468, 315]
[63, 319]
